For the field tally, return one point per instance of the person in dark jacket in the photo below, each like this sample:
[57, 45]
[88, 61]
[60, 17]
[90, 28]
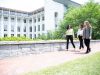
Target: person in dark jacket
[87, 32]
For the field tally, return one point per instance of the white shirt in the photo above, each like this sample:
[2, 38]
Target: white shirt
[80, 32]
[70, 32]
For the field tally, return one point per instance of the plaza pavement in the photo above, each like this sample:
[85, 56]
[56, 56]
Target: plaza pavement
[36, 62]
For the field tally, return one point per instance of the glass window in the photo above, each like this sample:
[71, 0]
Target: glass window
[5, 35]
[42, 18]
[12, 35]
[30, 21]
[38, 19]
[34, 20]
[56, 25]
[12, 12]
[24, 35]
[38, 35]
[18, 29]
[5, 18]
[12, 19]
[34, 35]
[5, 12]
[31, 36]
[43, 27]
[5, 27]
[30, 29]
[38, 27]
[25, 29]
[34, 28]
[56, 14]
[19, 14]
[24, 20]
[12, 28]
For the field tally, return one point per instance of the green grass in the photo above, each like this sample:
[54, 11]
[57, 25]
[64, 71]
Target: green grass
[89, 65]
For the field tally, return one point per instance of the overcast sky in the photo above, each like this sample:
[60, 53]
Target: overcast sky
[29, 5]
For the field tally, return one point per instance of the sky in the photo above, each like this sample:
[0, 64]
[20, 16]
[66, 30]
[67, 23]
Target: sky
[29, 5]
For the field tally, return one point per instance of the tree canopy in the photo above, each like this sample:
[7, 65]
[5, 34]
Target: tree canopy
[76, 16]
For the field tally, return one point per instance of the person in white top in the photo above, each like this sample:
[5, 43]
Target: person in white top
[80, 36]
[69, 36]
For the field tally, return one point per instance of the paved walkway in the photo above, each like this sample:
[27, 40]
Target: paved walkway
[24, 64]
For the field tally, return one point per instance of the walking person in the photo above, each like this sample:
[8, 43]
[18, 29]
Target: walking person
[87, 32]
[80, 36]
[69, 36]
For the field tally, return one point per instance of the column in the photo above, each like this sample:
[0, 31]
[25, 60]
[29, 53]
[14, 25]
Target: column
[9, 25]
[15, 28]
[27, 28]
[22, 26]
[32, 29]
[2, 26]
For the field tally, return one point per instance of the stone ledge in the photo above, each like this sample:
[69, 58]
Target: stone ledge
[38, 42]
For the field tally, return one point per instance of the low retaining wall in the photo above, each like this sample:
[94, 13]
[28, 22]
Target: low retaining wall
[12, 48]
[8, 49]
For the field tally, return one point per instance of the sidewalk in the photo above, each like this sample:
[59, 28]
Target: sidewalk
[24, 64]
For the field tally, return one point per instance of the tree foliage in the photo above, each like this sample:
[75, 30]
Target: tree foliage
[75, 16]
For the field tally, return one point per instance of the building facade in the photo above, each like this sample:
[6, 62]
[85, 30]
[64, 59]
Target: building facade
[32, 24]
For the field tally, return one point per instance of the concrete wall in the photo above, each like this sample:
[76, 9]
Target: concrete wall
[11, 49]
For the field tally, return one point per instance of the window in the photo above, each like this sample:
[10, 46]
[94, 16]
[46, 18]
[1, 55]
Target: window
[30, 29]
[24, 20]
[25, 29]
[31, 36]
[34, 35]
[24, 35]
[0, 11]
[5, 18]
[12, 19]
[19, 14]
[38, 35]
[5, 27]
[38, 27]
[12, 28]
[34, 28]
[42, 18]
[38, 19]
[35, 20]
[12, 35]
[12, 12]
[5, 35]
[56, 14]
[18, 29]
[6, 12]
[30, 21]
[43, 27]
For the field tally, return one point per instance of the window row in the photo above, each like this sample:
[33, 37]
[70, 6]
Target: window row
[24, 29]
[25, 35]
[25, 20]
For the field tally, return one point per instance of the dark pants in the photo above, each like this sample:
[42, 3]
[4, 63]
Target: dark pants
[69, 37]
[81, 42]
[87, 43]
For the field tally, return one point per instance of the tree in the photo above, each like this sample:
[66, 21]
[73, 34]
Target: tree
[75, 16]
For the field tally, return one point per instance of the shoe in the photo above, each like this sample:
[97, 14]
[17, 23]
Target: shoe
[66, 49]
[87, 52]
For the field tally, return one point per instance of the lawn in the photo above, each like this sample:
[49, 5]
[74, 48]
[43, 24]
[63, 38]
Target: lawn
[89, 65]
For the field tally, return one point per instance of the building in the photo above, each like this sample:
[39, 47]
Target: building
[33, 24]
